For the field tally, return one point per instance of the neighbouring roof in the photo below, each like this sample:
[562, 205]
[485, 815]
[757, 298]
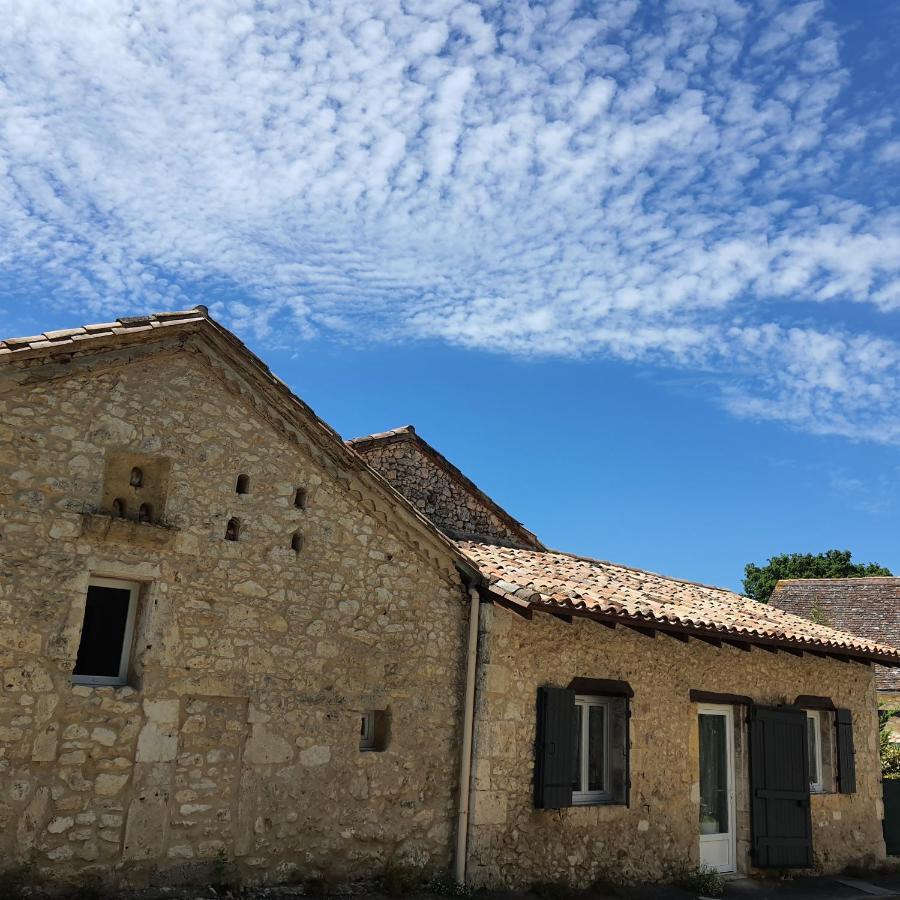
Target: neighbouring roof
[564, 584]
[407, 433]
[866, 606]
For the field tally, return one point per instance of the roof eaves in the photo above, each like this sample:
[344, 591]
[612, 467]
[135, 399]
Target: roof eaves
[700, 628]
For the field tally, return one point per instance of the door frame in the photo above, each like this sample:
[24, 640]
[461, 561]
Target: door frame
[716, 709]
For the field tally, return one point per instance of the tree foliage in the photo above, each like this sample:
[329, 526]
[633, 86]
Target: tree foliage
[890, 752]
[759, 581]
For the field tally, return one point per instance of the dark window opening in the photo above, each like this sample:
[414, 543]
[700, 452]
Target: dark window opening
[243, 484]
[102, 652]
[582, 748]
[374, 727]
[233, 530]
[297, 542]
[118, 508]
[137, 478]
[145, 513]
[300, 498]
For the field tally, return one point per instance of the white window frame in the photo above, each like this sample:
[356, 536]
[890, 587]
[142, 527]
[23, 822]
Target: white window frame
[133, 588]
[367, 731]
[814, 722]
[586, 701]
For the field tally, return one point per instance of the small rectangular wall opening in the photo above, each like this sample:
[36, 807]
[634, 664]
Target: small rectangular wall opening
[374, 728]
[107, 631]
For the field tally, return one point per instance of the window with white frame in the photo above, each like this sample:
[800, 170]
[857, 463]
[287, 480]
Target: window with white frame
[106, 633]
[814, 744]
[592, 735]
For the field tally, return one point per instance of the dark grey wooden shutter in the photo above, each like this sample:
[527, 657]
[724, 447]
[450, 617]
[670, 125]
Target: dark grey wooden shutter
[779, 786]
[554, 751]
[846, 753]
[627, 753]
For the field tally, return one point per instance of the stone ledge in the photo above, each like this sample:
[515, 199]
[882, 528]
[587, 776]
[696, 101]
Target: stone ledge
[126, 531]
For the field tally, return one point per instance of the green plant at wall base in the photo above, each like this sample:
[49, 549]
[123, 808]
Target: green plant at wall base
[552, 890]
[316, 886]
[890, 752]
[702, 880]
[760, 581]
[401, 881]
[607, 887]
[445, 886]
[16, 883]
[92, 889]
[224, 875]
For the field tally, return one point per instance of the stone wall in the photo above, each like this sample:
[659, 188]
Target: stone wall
[514, 844]
[239, 730]
[438, 490]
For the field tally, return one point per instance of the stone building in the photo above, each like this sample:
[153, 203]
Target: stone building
[225, 631]
[866, 606]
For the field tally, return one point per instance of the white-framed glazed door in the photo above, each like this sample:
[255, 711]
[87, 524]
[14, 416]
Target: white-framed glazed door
[717, 825]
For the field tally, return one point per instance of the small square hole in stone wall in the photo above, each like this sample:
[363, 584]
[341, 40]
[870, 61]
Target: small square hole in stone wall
[374, 730]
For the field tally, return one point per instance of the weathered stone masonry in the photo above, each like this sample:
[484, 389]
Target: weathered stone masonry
[513, 843]
[278, 610]
[240, 728]
[438, 489]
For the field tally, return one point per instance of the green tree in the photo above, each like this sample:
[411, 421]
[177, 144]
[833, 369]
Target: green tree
[759, 581]
[890, 752]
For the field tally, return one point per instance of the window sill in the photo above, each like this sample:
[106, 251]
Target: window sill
[596, 801]
[86, 688]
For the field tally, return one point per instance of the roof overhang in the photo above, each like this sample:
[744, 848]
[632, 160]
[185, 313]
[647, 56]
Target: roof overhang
[651, 627]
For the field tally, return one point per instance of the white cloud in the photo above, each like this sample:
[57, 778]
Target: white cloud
[890, 152]
[532, 179]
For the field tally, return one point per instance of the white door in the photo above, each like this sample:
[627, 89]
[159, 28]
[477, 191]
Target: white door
[717, 832]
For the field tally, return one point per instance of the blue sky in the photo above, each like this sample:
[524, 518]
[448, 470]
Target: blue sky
[634, 267]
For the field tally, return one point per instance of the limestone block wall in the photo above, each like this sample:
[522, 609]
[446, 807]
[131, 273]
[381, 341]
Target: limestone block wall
[252, 663]
[512, 843]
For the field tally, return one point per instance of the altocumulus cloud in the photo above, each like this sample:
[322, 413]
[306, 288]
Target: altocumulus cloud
[658, 182]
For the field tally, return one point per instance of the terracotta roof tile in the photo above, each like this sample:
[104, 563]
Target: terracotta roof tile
[866, 606]
[559, 582]
[125, 325]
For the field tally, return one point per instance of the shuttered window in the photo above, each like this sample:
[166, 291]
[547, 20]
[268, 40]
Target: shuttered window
[554, 748]
[779, 784]
[846, 753]
[581, 751]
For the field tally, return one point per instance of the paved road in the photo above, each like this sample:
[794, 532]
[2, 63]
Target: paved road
[821, 888]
